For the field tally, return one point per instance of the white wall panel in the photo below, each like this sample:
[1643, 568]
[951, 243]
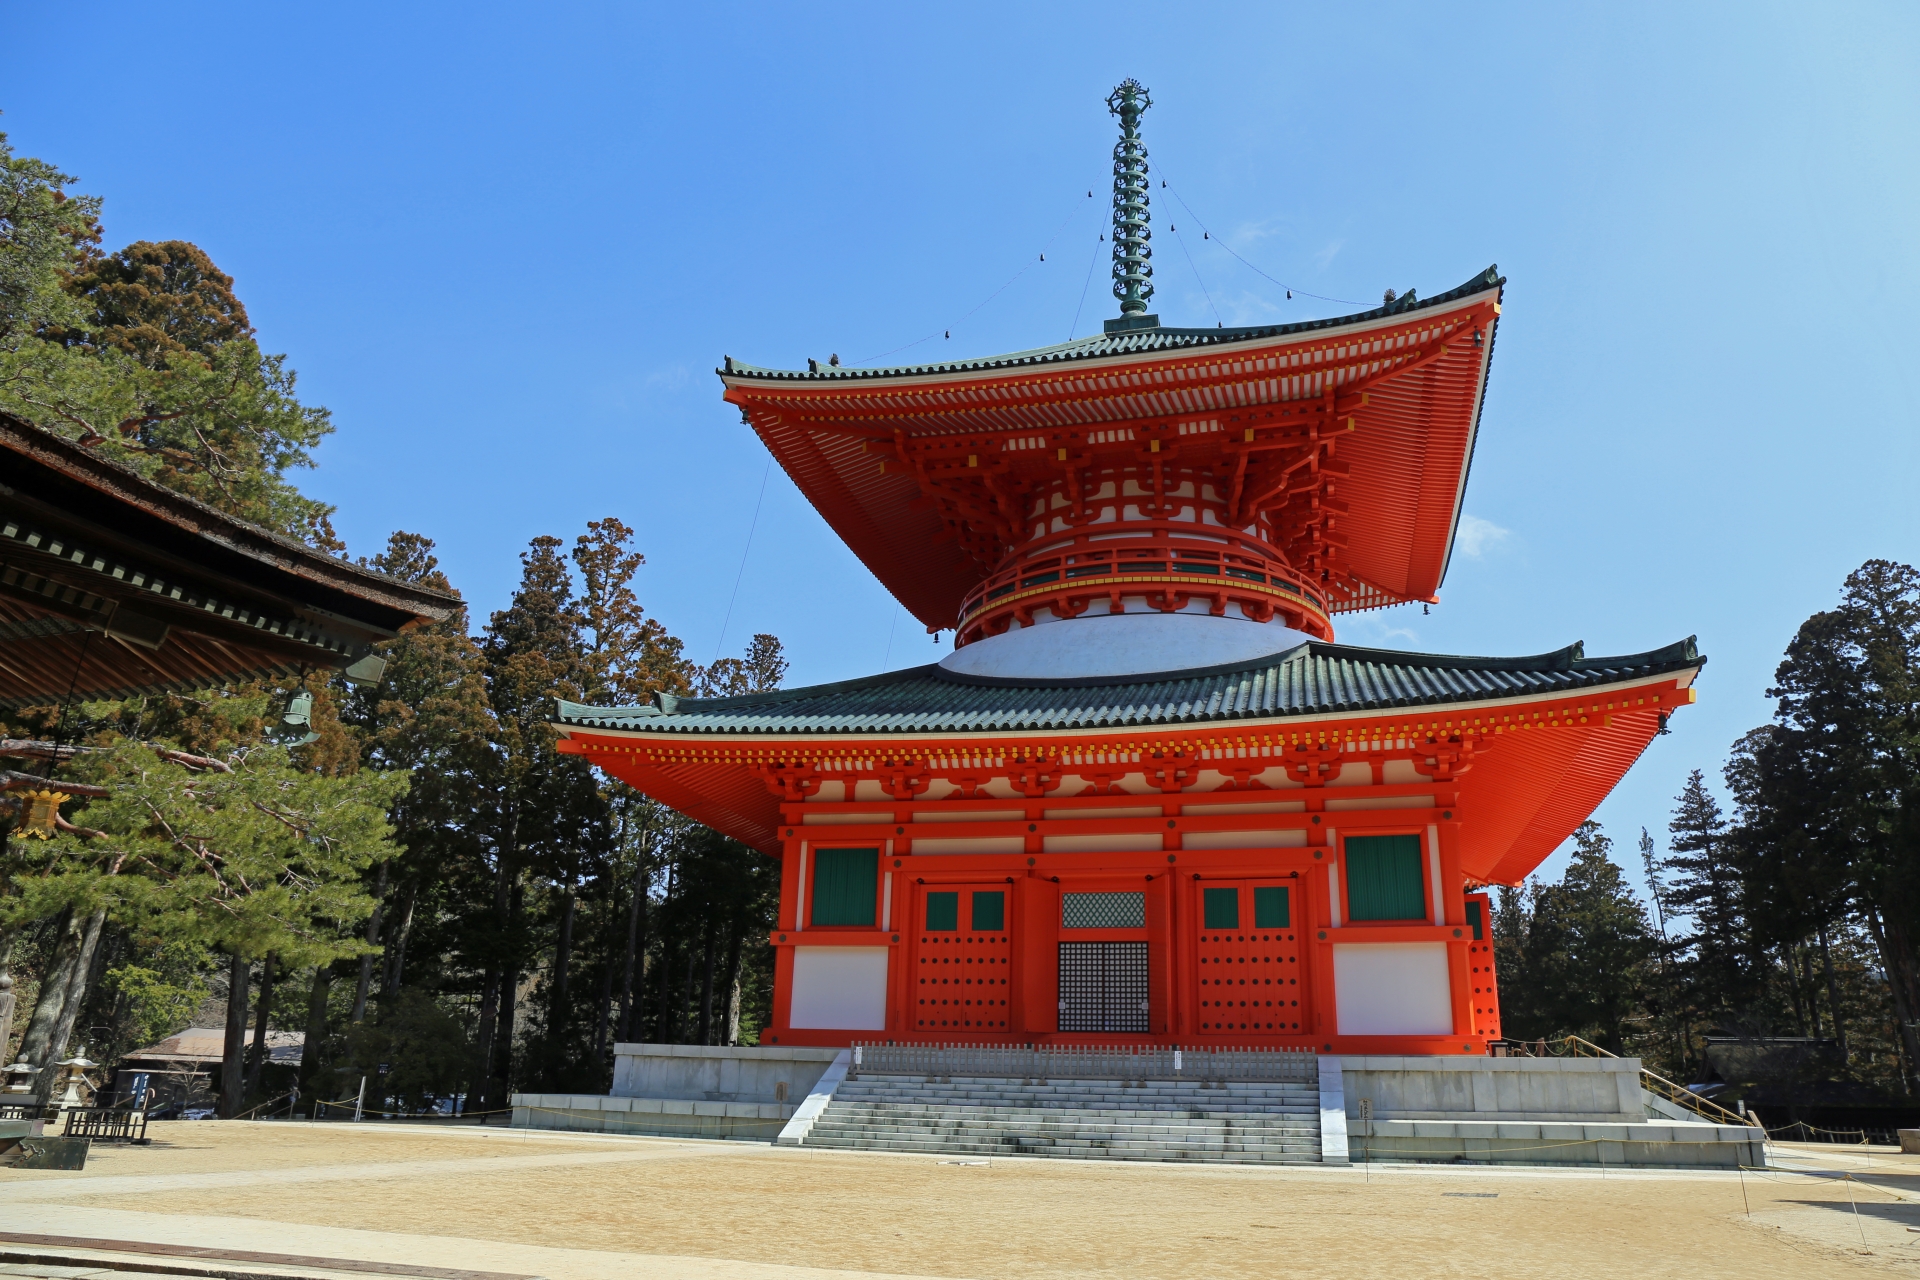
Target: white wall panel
[840, 988]
[1392, 989]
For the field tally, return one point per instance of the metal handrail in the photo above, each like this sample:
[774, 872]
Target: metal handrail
[1651, 1081]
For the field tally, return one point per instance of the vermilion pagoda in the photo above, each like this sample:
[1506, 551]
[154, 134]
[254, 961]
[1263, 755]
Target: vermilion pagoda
[1147, 797]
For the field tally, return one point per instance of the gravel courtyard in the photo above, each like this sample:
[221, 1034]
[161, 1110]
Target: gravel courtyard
[571, 1207]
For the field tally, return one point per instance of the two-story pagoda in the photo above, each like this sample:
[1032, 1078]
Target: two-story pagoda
[1148, 796]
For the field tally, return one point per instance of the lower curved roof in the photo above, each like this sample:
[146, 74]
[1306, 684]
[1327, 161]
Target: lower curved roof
[1309, 680]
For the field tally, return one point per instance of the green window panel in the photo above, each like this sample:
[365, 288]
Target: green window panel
[1473, 918]
[943, 912]
[989, 910]
[846, 885]
[1272, 907]
[1384, 880]
[1220, 908]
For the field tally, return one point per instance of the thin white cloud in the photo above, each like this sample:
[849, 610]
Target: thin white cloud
[1476, 537]
[1326, 255]
[1247, 308]
[1248, 234]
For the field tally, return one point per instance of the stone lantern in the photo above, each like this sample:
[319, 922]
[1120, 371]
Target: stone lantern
[19, 1079]
[72, 1085]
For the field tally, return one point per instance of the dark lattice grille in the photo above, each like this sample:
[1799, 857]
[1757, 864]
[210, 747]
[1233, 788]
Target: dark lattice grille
[1103, 985]
[1103, 910]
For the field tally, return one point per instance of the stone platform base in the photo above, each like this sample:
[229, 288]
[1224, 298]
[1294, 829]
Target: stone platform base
[1557, 1111]
[1453, 1109]
[687, 1091]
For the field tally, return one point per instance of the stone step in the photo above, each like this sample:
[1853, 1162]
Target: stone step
[1090, 1146]
[1089, 1104]
[1116, 1138]
[1302, 1097]
[1012, 1115]
[1245, 1122]
[1101, 1086]
[1165, 1153]
[1260, 1133]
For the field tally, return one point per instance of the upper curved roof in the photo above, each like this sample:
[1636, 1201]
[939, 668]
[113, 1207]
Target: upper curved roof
[1128, 342]
[1408, 378]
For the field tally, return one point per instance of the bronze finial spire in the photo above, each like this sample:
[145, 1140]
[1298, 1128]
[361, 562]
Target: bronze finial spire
[1132, 257]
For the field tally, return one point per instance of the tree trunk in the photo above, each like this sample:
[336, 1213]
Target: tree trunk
[257, 1068]
[663, 1020]
[1833, 993]
[680, 1029]
[603, 997]
[706, 987]
[480, 1090]
[37, 1040]
[509, 999]
[733, 988]
[7, 998]
[316, 1029]
[373, 936]
[232, 1064]
[631, 1028]
[78, 985]
[1897, 958]
[563, 958]
[1791, 953]
[396, 958]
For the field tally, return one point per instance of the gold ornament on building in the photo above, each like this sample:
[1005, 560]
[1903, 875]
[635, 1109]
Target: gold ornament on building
[42, 812]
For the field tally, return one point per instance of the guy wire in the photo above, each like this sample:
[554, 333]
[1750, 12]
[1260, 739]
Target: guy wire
[1205, 292]
[949, 328]
[1345, 302]
[751, 526]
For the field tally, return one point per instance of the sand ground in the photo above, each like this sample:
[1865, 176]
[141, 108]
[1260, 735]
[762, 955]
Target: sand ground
[576, 1207]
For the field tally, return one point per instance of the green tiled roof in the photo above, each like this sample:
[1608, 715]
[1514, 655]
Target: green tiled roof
[1143, 341]
[1312, 679]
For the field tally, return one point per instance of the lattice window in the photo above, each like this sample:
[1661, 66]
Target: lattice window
[1103, 910]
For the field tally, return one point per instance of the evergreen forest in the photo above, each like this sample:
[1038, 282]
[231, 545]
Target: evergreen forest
[445, 904]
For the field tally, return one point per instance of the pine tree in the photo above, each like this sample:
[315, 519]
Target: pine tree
[1716, 967]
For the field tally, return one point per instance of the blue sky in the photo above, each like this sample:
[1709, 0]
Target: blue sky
[507, 245]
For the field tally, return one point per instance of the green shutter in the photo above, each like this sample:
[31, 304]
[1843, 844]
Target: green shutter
[1473, 918]
[1384, 880]
[1221, 907]
[845, 886]
[1272, 908]
[943, 912]
[989, 910]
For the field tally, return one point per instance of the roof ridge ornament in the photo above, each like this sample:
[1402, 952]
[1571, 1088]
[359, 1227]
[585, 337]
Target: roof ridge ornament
[1132, 255]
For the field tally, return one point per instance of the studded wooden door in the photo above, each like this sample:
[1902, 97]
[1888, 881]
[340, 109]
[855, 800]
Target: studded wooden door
[1248, 971]
[1103, 986]
[962, 958]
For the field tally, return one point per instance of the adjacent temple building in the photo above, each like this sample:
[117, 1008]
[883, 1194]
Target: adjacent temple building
[1149, 797]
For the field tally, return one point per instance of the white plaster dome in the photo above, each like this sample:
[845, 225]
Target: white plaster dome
[1123, 644]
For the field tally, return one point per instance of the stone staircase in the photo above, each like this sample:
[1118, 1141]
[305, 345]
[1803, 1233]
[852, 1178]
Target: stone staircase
[1238, 1122]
